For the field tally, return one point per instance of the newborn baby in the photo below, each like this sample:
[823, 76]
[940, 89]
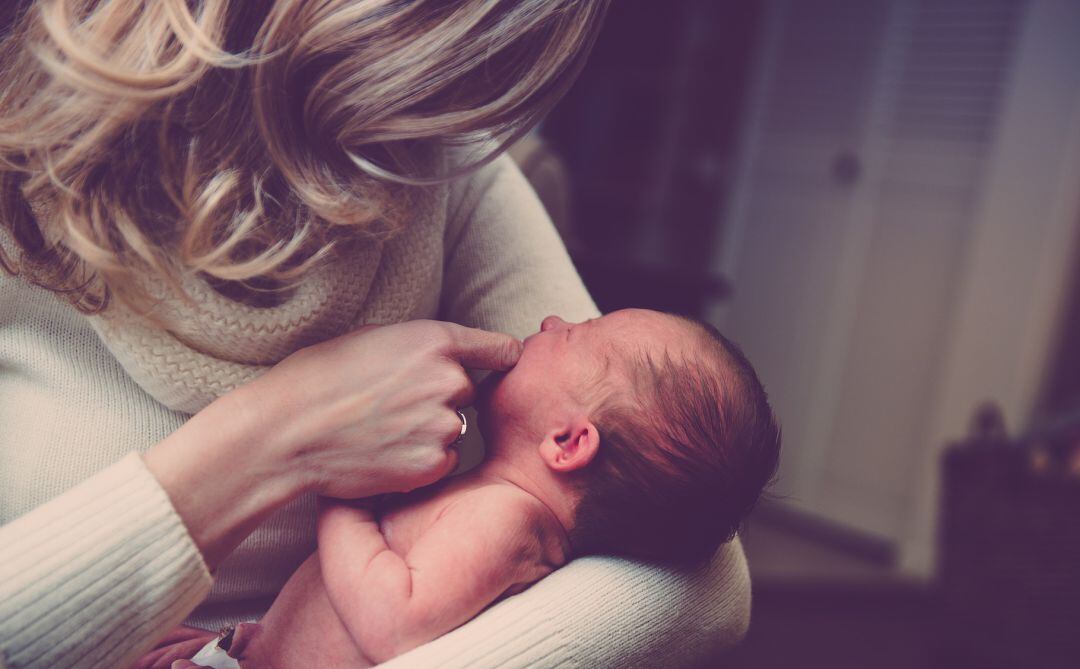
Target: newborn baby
[637, 434]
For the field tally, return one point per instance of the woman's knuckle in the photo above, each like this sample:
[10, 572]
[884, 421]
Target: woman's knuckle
[449, 426]
[454, 379]
[432, 459]
[443, 339]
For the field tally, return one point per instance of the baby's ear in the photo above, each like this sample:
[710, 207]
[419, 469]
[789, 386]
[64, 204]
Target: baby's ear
[572, 447]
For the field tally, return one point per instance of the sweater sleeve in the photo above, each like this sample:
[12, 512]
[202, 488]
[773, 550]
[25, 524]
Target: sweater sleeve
[602, 612]
[92, 578]
[506, 269]
[505, 266]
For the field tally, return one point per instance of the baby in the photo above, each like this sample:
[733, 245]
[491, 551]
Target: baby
[637, 434]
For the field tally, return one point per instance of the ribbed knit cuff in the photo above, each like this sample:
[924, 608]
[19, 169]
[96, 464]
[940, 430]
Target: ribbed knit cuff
[94, 576]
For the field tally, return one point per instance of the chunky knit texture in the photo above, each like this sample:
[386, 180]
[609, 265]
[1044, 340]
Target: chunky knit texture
[95, 564]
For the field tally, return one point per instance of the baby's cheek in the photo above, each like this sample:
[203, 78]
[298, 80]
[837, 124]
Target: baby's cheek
[507, 399]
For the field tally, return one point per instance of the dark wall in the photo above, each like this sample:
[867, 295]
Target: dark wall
[648, 134]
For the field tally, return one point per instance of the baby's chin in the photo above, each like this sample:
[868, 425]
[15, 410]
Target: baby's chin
[486, 394]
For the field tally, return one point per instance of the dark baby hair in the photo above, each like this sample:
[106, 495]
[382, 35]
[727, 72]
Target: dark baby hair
[683, 458]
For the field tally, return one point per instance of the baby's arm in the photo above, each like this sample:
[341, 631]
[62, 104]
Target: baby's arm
[482, 545]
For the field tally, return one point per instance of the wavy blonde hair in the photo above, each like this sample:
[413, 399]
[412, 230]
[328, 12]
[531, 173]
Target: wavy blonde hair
[243, 139]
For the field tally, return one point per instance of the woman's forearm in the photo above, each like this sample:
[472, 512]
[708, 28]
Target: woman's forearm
[91, 578]
[223, 474]
[643, 615]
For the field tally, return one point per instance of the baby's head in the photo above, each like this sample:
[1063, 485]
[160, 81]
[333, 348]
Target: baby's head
[656, 424]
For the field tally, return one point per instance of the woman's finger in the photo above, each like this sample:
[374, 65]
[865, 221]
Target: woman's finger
[480, 349]
[452, 460]
[463, 392]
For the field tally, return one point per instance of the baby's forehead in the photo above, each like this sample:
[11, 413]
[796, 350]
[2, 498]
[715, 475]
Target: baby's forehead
[637, 331]
[657, 372]
[646, 339]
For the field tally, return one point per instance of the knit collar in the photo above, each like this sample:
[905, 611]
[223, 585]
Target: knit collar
[214, 344]
[217, 344]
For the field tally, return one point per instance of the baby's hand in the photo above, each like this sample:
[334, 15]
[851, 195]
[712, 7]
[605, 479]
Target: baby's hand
[330, 505]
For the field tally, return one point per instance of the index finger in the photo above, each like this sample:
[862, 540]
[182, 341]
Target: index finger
[482, 349]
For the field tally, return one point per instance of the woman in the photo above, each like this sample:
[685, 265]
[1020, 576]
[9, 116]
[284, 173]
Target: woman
[200, 211]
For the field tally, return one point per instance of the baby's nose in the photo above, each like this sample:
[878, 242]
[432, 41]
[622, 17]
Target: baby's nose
[551, 323]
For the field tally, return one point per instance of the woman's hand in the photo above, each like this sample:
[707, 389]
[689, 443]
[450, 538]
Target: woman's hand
[375, 411]
[369, 412]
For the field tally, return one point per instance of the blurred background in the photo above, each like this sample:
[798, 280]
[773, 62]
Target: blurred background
[879, 200]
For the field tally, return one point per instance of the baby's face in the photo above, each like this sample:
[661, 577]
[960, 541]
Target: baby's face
[561, 364]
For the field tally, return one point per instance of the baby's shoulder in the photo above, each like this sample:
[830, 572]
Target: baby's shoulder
[495, 506]
[523, 520]
[498, 501]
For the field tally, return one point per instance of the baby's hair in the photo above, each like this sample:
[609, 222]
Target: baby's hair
[684, 456]
[243, 139]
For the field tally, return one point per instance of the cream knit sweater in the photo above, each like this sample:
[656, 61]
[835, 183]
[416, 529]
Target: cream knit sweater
[94, 562]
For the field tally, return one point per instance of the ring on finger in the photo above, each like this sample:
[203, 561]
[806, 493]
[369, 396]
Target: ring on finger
[464, 428]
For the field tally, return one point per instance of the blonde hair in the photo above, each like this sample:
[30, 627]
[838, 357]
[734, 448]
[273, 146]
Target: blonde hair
[242, 140]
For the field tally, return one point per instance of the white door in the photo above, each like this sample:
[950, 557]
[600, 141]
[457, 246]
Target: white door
[873, 134]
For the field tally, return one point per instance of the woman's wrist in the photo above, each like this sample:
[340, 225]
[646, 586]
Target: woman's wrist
[224, 474]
